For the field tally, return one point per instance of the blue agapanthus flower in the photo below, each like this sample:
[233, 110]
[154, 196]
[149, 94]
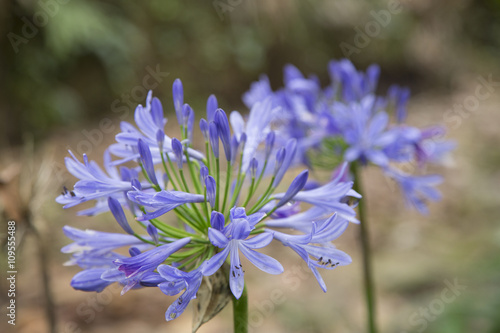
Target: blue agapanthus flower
[352, 122]
[96, 184]
[315, 248]
[187, 214]
[175, 281]
[233, 239]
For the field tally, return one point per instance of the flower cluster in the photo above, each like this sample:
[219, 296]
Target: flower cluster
[189, 212]
[352, 122]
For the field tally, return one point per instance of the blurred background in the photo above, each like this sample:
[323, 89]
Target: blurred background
[72, 70]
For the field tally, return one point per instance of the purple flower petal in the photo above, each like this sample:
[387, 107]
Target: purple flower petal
[217, 238]
[259, 241]
[236, 275]
[213, 264]
[262, 261]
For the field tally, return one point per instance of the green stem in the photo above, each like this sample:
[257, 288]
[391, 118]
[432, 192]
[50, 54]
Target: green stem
[174, 172]
[239, 183]
[194, 178]
[183, 132]
[169, 175]
[184, 182]
[261, 175]
[174, 232]
[270, 189]
[205, 205]
[144, 240]
[365, 247]
[156, 187]
[250, 192]
[193, 206]
[189, 261]
[207, 152]
[237, 189]
[217, 166]
[240, 313]
[181, 214]
[226, 190]
[198, 213]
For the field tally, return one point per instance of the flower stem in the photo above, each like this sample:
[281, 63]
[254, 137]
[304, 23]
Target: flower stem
[194, 178]
[250, 192]
[240, 313]
[261, 174]
[262, 201]
[237, 189]
[174, 172]
[365, 247]
[205, 206]
[217, 187]
[226, 190]
[207, 152]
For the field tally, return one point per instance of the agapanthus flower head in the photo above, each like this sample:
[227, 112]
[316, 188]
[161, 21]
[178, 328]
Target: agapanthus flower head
[346, 120]
[194, 211]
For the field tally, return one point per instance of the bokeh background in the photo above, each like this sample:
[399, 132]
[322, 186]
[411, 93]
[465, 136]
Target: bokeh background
[71, 70]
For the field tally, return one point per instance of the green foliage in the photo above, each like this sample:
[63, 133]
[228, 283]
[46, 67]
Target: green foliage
[91, 52]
